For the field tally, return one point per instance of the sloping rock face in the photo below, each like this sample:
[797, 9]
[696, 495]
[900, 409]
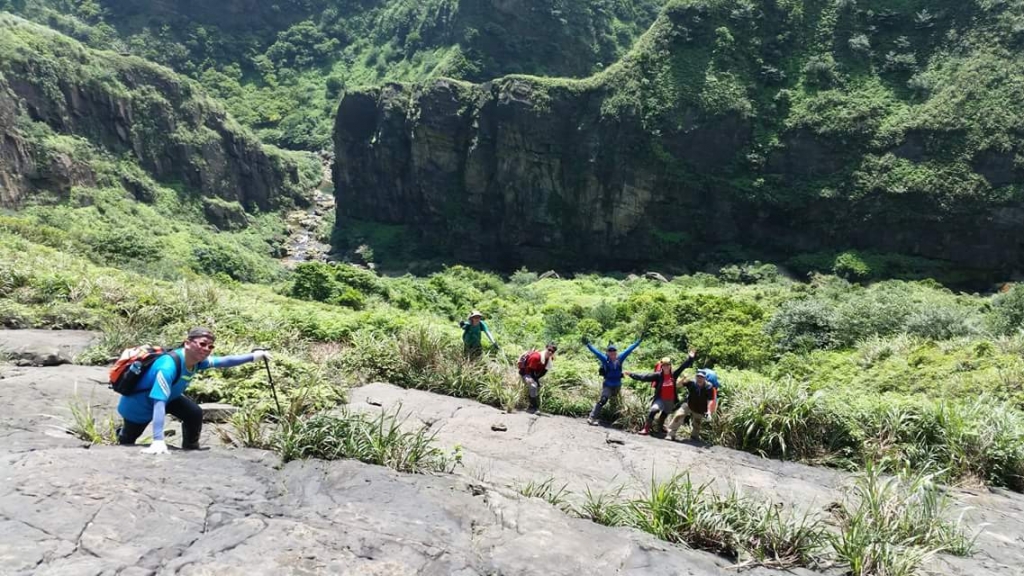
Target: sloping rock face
[543, 447]
[68, 508]
[133, 108]
[689, 150]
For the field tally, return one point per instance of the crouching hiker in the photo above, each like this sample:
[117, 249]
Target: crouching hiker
[533, 365]
[472, 329]
[160, 390]
[666, 396]
[611, 369]
[701, 403]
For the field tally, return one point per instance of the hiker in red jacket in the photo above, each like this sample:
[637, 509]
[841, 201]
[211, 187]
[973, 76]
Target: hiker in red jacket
[666, 396]
[533, 365]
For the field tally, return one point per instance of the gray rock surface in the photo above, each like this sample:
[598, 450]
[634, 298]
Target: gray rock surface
[44, 347]
[70, 508]
[67, 508]
[535, 448]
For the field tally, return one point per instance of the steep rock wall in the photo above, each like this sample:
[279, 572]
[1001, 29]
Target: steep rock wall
[663, 159]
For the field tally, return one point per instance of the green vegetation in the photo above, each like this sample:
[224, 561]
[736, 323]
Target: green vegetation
[885, 525]
[905, 374]
[279, 68]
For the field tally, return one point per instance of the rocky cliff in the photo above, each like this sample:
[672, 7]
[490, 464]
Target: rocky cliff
[733, 130]
[124, 109]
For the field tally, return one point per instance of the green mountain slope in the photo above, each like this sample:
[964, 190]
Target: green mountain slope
[279, 66]
[735, 129]
[127, 162]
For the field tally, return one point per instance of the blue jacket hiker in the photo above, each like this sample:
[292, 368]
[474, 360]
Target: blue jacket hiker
[161, 390]
[611, 369]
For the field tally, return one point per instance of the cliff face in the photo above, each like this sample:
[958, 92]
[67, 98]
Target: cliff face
[127, 108]
[720, 137]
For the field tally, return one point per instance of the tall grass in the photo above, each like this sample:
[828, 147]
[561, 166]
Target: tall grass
[379, 440]
[732, 525]
[891, 525]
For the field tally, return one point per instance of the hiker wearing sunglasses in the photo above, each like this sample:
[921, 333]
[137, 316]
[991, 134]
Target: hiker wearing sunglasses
[160, 391]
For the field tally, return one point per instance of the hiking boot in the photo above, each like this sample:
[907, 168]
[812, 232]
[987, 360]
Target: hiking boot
[646, 430]
[191, 446]
[592, 421]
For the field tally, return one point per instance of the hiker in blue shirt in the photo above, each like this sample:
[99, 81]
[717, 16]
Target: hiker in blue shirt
[161, 390]
[611, 369]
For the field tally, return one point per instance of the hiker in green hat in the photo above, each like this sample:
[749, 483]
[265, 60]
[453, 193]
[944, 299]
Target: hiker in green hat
[471, 331]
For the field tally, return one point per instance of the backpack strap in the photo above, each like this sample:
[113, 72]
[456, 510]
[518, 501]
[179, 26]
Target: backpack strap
[177, 365]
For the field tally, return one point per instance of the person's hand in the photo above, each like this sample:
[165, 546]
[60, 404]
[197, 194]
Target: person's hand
[627, 373]
[258, 355]
[463, 323]
[585, 340]
[157, 447]
[693, 353]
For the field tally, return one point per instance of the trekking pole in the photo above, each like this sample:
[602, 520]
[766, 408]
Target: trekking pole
[273, 389]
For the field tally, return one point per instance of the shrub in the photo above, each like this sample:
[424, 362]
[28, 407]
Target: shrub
[1008, 310]
[804, 325]
[851, 266]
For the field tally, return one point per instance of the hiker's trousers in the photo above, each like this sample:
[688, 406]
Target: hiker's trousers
[183, 408]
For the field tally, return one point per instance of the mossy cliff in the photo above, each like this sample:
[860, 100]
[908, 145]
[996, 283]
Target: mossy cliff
[734, 129]
[59, 98]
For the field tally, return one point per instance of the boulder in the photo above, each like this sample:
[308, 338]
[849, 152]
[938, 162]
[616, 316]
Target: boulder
[216, 412]
[45, 347]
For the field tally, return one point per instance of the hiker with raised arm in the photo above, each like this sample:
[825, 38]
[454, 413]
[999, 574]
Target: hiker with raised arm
[160, 391]
[533, 365]
[701, 403]
[666, 396]
[472, 329]
[611, 369]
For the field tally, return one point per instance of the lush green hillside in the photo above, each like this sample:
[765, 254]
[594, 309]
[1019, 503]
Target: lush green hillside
[280, 66]
[129, 164]
[735, 130]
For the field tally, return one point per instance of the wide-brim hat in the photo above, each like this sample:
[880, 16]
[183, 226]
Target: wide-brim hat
[475, 314]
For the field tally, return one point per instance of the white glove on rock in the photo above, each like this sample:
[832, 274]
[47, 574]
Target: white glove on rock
[157, 447]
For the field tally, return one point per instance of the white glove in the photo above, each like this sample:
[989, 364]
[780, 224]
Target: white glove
[260, 355]
[157, 447]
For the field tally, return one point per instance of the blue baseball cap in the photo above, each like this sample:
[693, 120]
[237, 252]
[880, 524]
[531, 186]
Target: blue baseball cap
[612, 348]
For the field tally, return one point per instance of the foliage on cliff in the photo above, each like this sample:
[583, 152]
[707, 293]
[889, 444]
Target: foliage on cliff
[279, 67]
[125, 162]
[776, 127]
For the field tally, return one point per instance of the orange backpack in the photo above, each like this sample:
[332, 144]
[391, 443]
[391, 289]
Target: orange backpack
[133, 363]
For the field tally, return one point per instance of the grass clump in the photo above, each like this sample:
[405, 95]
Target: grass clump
[892, 525]
[379, 440]
[88, 425]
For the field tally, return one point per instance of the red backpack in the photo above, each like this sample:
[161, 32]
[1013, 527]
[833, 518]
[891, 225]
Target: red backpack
[524, 359]
[133, 363]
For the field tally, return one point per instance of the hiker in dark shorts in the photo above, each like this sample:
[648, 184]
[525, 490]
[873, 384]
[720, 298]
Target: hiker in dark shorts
[701, 403]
